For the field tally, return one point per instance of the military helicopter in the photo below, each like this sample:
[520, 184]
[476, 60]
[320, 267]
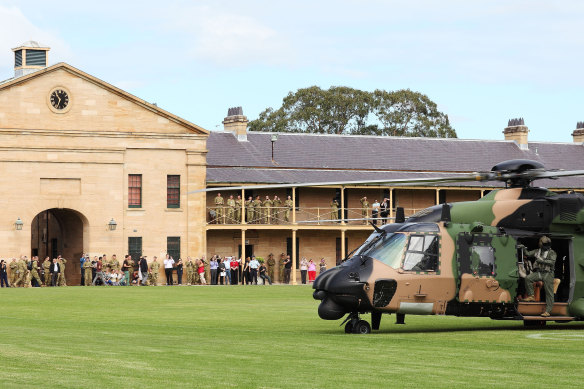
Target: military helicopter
[462, 259]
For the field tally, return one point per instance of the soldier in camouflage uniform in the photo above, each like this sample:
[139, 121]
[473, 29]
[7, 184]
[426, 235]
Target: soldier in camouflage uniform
[334, 210]
[230, 210]
[271, 262]
[114, 264]
[207, 266]
[545, 260]
[47, 271]
[219, 208]
[13, 272]
[281, 274]
[155, 271]
[21, 272]
[364, 209]
[238, 204]
[276, 203]
[87, 266]
[267, 206]
[249, 210]
[289, 205]
[105, 263]
[257, 210]
[61, 280]
[34, 273]
[190, 271]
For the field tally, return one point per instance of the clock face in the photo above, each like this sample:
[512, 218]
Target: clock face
[59, 99]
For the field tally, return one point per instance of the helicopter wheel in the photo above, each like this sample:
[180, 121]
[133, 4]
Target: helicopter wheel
[362, 327]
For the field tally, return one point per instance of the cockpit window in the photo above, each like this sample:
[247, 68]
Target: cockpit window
[422, 253]
[387, 249]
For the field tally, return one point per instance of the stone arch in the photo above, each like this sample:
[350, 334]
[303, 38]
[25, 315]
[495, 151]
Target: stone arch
[61, 231]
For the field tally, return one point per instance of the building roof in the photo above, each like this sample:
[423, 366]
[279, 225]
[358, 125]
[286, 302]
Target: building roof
[113, 89]
[315, 158]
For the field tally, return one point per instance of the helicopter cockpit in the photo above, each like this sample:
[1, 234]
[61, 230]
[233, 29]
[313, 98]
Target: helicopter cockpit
[419, 240]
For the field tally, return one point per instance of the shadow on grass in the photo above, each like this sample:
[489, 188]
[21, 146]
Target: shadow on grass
[418, 329]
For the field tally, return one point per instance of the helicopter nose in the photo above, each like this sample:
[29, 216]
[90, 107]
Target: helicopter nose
[341, 290]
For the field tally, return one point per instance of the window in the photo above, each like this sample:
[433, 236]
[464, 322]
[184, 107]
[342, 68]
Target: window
[135, 248]
[387, 248]
[36, 57]
[172, 191]
[483, 260]
[17, 58]
[135, 191]
[422, 253]
[173, 247]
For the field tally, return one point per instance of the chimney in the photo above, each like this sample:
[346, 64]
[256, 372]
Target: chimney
[578, 133]
[29, 57]
[236, 123]
[516, 131]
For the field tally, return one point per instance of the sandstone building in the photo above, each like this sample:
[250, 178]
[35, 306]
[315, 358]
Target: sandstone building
[88, 167]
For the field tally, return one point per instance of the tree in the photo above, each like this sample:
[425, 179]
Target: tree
[344, 110]
[407, 113]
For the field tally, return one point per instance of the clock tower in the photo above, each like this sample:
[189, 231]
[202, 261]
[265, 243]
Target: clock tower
[29, 57]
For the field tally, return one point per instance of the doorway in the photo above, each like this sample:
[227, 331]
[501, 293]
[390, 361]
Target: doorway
[248, 251]
[60, 231]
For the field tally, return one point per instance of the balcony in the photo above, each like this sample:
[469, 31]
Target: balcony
[309, 216]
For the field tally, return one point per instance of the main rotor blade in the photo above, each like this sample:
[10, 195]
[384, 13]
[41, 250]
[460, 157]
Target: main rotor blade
[461, 177]
[458, 178]
[554, 174]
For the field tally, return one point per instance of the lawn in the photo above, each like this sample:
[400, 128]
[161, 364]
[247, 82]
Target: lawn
[256, 336]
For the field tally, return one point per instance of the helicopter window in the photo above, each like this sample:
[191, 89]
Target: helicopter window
[422, 253]
[483, 260]
[388, 249]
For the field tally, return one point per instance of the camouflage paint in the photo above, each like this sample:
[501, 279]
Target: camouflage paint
[496, 220]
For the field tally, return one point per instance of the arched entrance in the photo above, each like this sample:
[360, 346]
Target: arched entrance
[60, 231]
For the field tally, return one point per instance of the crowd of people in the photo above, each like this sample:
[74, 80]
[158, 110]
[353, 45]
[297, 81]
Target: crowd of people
[100, 270]
[254, 211]
[30, 272]
[275, 211]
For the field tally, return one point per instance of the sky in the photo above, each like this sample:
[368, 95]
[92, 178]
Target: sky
[482, 62]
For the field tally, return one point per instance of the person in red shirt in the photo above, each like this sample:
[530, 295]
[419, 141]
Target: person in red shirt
[99, 272]
[234, 265]
[201, 271]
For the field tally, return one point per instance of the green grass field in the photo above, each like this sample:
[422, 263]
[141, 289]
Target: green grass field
[255, 336]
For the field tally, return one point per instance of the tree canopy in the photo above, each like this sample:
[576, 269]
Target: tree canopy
[344, 110]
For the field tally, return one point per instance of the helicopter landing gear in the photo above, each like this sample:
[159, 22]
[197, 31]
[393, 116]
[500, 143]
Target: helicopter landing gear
[400, 318]
[355, 325]
[362, 327]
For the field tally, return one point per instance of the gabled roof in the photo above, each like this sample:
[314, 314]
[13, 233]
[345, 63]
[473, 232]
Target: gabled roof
[109, 87]
[310, 158]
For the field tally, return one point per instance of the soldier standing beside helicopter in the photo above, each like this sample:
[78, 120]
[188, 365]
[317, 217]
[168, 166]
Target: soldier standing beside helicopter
[545, 259]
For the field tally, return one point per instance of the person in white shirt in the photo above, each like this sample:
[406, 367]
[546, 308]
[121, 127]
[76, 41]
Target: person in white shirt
[253, 270]
[375, 211]
[168, 265]
[303, 269]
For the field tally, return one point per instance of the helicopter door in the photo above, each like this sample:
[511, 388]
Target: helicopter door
[421, 290]
[477, 269]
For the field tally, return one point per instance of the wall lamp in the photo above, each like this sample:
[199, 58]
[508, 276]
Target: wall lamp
[112, 225]
[18, 224]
